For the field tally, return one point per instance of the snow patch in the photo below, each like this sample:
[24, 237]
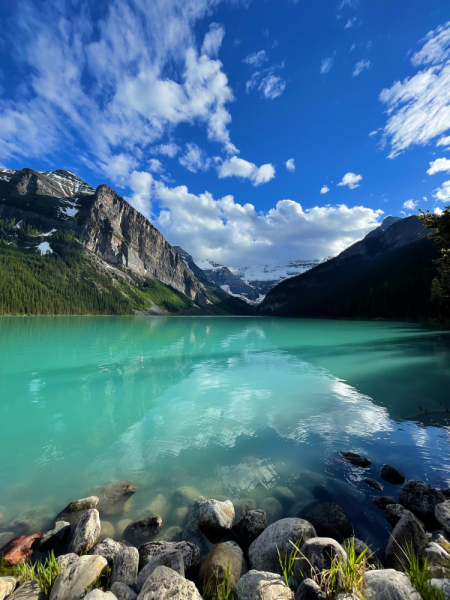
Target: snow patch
[49, 233]
[44, 248]
[187, 266]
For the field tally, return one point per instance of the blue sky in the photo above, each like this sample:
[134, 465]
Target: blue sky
[191, 109]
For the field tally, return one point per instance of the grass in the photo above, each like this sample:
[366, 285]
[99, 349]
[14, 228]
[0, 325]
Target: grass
[287, 561]
[417, 570]
[44, 573]
[103, 581]
[216, 589]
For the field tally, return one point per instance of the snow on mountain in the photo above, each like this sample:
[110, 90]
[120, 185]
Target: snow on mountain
[274, 272]
[69, 183]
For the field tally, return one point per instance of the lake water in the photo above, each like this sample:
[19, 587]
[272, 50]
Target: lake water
[230, 406]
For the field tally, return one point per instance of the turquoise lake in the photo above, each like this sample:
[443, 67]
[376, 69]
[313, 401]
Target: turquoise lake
[230, 406]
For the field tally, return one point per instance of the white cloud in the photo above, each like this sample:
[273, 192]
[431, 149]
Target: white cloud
[256, 59]
[326, 65]
[272, 86]
[373, 133]
[360, 66]
[290, 165]
[439, 165]
[349, 3]
[445, 141]
[238, 167]
[351, 180]
[170, 150]
[410, 204]
[350, 23]
[141, 184]
[194, 159]
[419, 106]
[438, 211]
[324, 189]
[155, 166]
[213, 40]
[442, 194]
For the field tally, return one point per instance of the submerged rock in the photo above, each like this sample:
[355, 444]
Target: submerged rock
[356, 459]
[330, 520]
[164, 583]
[73, 512]
[140, 532]
[373, 483]
[32, 521]
[112, 497]
[87, 532]
[186, 495]
[263, 585]
[215, 519]
[242, 506]
[273, 509]
[392, 475]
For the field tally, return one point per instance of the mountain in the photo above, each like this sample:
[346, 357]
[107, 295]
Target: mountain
[388, 274]
[228, 281]
[56, 223]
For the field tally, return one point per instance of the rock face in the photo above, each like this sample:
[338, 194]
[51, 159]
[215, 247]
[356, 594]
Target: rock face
[407, 533]
[250, 527]
[421, 499]
[108, 548]
[20, 549]
[309, 590]
[388, 585]
[316, 555]
[72, 583]
[442, 514]
[221, 557]
[126, 566]
[164, 583]
[56, 537]
[142, 531]
[29, 590]
[215, 519]
[392, 475]
[190, 553]
[263, 555]
[260, 585]
[172, 559]
[7, 585]
[329, 520]
[356, 459]
[112, 497]
[87, 532]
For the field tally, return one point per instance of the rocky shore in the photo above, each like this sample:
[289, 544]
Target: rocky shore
[224, 549]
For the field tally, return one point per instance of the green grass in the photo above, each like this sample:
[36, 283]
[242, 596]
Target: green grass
[218, 589]
[417, 570]
[103, 581]
[287, 561]
[44, 573]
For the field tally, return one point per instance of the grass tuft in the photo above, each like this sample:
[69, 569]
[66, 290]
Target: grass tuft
[218, 590]
[44, 573]
[417, 570]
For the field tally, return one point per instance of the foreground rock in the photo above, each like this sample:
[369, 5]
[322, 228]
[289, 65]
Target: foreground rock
[164, 583]
[74, 510]
[392, 475]
[215, 519]
[222, 557]
[309, 590]
[20, 549]
[98, 594]
[140, 532]
[112, 497]
[421, 499]
[190, 553]
[388, 585]
[408, 533]
[252, 524]
[443, 585]
[67, 560]
[87, 532]
[109, 549]
[29, 590]
[123, 592]
[330, 520]
[73, 582]
[442, 514]
[263, 553]
[261, 585]
[356, 459]
[56, 537]
[316, 555]
[126, 566]
[173, 559]
[436, 555]
[7, 585]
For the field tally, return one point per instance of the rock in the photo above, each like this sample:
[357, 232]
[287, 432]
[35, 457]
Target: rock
[158, 506]
[5, 538]
[441, 537]
[392, 475]
[180, 515]
[172, 559]
[32, 521]
[98, 594]
[384, 501]
[164, 583]
[190, 553]
[171, 534]
[191, 531]
[73, 582]
[263, 553]
[273, 509]
[376, 485]
[316, 555]
[106, 530]
[87, 532]
[29, 590]
[436, 555]
[242, 506]
[121, 526]
[442, 514]
[123, 592]
[74, 510]
[261, 585]
[438, 572]
[329, 520]
[126, 566]
[20, 549]
[346, 596]
[218, 560]
[421, 499]
[361, 547]
[250, 527]
[446, 492]
[7, 585]
[140, 532]
[388, 584]
[283, 495]
[112, 497]
[309, 590]
[215, 519]
[407, 532]
[394, 512]
[66, 560]
[186, 495]
[356, 459]
[109, 549]
[56, 537]
[443, 585]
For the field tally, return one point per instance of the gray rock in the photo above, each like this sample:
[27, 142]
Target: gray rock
[438, 572]
[443, 585]
[392, 475]
[442, 514]
[273, 509]
[316, 555]
[283, 495]
[172, 559]
[388, 584]
[215, 519]
[73, 582]
[222, 557]
[330, 520]
[98, 594]
[394, 512]
[309, 590]
[191, 531]
[123, 592]
[87, 532]
[250, 527]
[7, 586]
[261, 585]
[441, 537]
[140, 532]
[421, 499]
[109, 549]
[407, 533]
[164, 583]
[29, 590]
[242, 506]
[383, 501]
[436, 555]
[263, 553]
[158, 506]
[66, 560]
[373, 483]
[73, 512]
[126, 566]
[112, 497]
[356, 459]
[190, 553]
[171, 534]
[56, 537]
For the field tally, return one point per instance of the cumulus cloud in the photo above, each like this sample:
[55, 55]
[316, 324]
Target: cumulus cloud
[326, 65]
[442, 194]
[290, 165]
[194, 159]
[238, 167]
[351, 180]
[410, 204]
[256, 59]
[324, 189]
[419, 106]
[439, 165]
[361, 66]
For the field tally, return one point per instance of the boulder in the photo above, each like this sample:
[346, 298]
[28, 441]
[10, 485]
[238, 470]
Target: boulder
[215, 519]
[67, 560]
[20, 549]
[384, 501]
[309, 590]
[436, 555]
[392, 475]
[218, 560]
[158, 506]
[140, 532]
[388, 584]
[56, 537]
[443, 585]
[261, 585]
[394, 512]
[263, 554]
[109, 549]
[164, 583]
[283, 495]
[191, 531]
[98, 594]
[126, 566]
[330, 520]
[373, 483]
[250, 527]
[112, 497]
[123, 592]
[190, 553]
[273, 509]
[356, 459]
[87, 532]
[186, 495]
[421, 499]
[172, 559]
[407, 533]
[73, 512]
[316, 555]
[30, 590]
[242, 506]
[7, 586]
[74, 581]
[442, 514]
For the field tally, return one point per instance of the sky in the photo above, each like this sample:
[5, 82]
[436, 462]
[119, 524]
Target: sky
[247, 131]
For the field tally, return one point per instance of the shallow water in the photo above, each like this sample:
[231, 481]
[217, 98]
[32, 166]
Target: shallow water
[231, 406]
